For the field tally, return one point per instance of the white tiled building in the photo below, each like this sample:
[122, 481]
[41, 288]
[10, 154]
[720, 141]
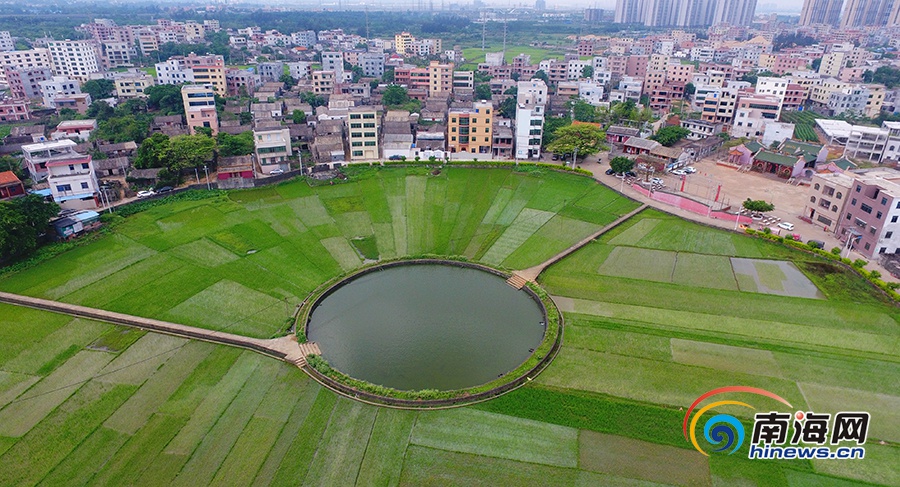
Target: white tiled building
[75, 59]
[73, 183]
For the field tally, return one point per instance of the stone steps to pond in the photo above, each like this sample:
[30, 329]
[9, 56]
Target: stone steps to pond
[306, 349]
[517, 281]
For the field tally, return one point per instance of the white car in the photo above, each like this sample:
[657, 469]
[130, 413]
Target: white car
[657, 181]
[786, 225]
[689, 169]
[277, 171]
[680, 172]
[146, 194]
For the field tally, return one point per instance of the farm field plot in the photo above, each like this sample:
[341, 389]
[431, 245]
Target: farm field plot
[86, 403]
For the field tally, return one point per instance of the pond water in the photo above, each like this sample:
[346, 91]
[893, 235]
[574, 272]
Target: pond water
[427, 326]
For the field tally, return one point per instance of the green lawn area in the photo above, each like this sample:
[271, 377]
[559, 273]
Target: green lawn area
[475, 55]
[654, 318]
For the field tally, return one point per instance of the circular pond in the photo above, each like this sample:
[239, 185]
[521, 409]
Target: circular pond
[426, 326]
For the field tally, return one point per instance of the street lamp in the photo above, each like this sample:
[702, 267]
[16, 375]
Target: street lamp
[206, 171]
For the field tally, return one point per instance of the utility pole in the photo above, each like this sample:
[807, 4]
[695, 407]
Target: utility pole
[197, 175]
[205, 170]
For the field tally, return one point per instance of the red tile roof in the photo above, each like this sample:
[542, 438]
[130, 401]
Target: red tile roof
[8, 177]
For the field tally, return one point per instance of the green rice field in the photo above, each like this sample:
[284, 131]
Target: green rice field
[652, 322]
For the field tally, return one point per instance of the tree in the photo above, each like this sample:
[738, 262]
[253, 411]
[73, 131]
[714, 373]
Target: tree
[540, 74]
[22, 221]
[483, 92]
[816, 63]
[886, 75]
[394, 95]
[152, 152]
[388, 76]
[551, 124]
[99, 88]
[689, 89]
[586, 139]
[298, 116]
[667, 136]
[235, 145]
[508, 108]
[101, 111]
[189, 151]
[621, 164]
[357, 73]
[313, 99]
[759, 206]
[583, 111]
[587, 72]
[164, 98]
[288, 81]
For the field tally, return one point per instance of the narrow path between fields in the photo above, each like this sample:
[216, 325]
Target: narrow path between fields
[521, 277]
[284, 348]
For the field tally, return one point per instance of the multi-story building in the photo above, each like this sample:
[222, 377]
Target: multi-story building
[776, 87]
[271, 71]
[469, 130]
[132, 85]
[25, 83]
[866, 13]
[73, 182]
[209, 70]
[685, 13]
[821, 12]
[148, 42]
[531, 100]
[6, 41]
[866, 143]
[304, 38]
[440, 78]
[871, 216]
[334, 61]
[38, 155]
[13, 111]
[752, 112]
[892, 149]
[273, 148]
[403, 41]
[372, 63]
[57, 86]
[794, 97]
[116, 54]
[323, 82]
[31, 58]
[832, 63]
[827, 195]
[79, 102]
[363, 127]
[463, 80]
[240, 82]
[75, 59]
[200, 107]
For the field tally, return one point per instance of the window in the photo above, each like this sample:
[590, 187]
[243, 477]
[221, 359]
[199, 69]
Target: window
[868, 246]
[878, 215]
[355, 125]
[883, 201]
[849, 215]
[355, 116]
[858, 187]
[866, 208]
[882, 250]
[816, 186]
[888, 234]
[84, 185]
[356, 144]
[812, 199]
[71, 167]
[370, 134]
[369, 125]
[872, 230]
[84, 165]
[853, 202]
[834, 208]
[839, 195]
[357, 153]
[370, 143]
[64, 187]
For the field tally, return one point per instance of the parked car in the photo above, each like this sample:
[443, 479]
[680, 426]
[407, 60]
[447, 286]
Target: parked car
[657, 181]
[689, 169]
[631, 174]
[786, 225]
[680, 172]
[164, 189]
[277, 171]
[816, 244]
[610, 172]
[146, 194]
[555, 157]
[395, 157]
